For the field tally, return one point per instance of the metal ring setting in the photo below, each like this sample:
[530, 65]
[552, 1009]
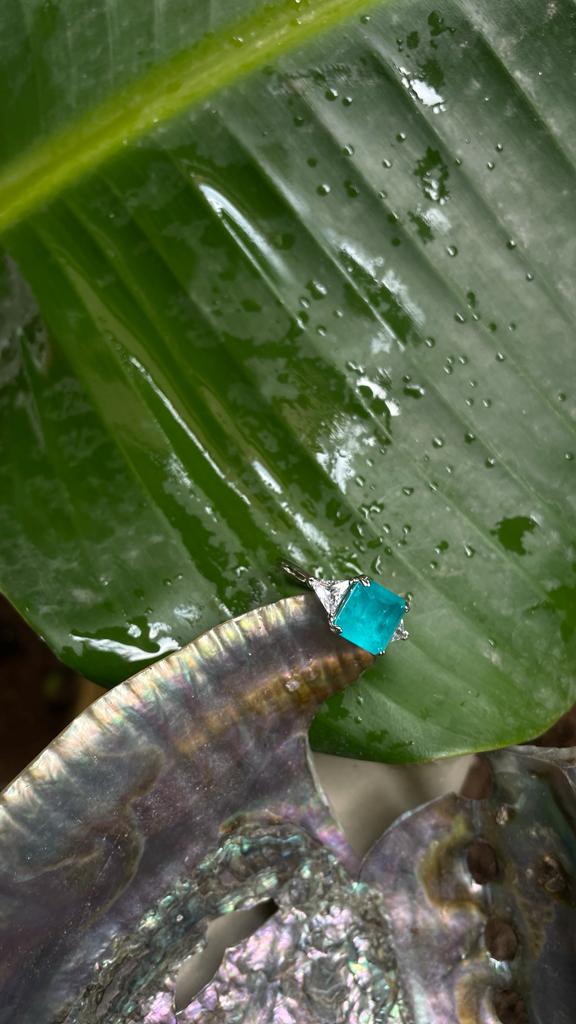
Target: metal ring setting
[360, 610]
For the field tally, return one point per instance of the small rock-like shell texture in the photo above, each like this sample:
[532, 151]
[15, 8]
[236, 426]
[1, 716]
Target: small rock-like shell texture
[481, 897]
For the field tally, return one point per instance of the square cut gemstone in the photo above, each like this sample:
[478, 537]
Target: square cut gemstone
[369, 615]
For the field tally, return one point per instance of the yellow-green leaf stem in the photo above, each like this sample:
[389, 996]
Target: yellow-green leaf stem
[185, 79]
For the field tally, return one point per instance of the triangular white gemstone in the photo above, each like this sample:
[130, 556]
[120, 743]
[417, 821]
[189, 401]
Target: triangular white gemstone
[331, 593]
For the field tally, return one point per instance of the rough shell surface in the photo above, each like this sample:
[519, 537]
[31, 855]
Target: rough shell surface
[187, 793]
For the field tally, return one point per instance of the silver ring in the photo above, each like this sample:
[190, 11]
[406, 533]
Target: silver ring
[360, 610]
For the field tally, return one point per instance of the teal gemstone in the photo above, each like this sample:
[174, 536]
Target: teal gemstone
[369, 615]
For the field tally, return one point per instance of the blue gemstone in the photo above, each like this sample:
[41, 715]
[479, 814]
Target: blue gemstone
[369, 615]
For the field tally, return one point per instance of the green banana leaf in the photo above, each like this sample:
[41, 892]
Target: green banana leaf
[296, 279]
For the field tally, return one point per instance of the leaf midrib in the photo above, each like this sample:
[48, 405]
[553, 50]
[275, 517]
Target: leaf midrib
[182, 80]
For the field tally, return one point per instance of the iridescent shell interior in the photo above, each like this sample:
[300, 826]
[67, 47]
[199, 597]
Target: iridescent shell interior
[187, 793]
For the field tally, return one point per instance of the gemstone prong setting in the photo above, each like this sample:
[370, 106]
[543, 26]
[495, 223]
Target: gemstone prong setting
[361, 611]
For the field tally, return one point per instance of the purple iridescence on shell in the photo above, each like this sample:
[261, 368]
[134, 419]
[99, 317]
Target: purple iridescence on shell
[324, 956]
[101, 836]
[187, 794]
